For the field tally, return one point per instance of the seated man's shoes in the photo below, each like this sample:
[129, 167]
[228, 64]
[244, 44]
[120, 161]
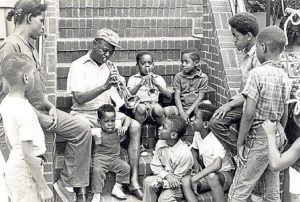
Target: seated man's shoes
[137, 192]
[118, 193]
[63, 193]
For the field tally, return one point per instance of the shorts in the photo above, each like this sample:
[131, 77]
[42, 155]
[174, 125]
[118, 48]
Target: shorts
[226, 175]
[149, 112]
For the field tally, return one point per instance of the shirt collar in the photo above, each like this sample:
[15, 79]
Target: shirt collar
[197, 74]
[251, 52]
[163, 143]
[87, 58]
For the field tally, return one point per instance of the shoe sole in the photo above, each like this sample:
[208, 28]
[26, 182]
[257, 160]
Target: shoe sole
[123, 199]
[60, 193]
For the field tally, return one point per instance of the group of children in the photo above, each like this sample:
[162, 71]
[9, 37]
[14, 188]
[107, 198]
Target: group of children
[179, 170]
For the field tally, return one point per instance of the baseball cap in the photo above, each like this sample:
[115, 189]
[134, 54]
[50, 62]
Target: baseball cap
[109, 36]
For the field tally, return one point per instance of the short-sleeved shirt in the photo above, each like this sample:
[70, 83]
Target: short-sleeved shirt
[85, 75]
[210, 148]
[21, 124]
[110, 144]
[190, 86]
[15, 44]
[268, 86]
[142, 93]
[248, 62]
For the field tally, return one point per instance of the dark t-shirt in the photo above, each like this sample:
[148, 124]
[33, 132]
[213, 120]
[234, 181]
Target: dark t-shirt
[15, 44]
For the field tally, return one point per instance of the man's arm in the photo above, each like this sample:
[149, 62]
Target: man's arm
[86, 96]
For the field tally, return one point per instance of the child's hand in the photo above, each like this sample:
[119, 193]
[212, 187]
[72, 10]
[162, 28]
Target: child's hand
[154, 81]
[197, 167]
[157, 185]
[122, 131]
[269, 127]
[46, 195]
[222, 111]
[173, 181]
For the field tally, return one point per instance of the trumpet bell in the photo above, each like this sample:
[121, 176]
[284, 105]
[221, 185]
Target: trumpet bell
[152, 92]
[132, 102]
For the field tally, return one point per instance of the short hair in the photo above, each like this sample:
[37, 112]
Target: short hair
[178, 125]
[25, 7]
[207, 110]
[105, 108]
[292, 31]
[142, 53]
[14, 65]
[194, 53]
[244, 23]
[273, 37]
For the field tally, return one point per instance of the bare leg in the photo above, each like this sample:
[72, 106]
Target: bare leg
[133, 151]
[140, 113]
[158, 114]
[216, 188]
[187, 189]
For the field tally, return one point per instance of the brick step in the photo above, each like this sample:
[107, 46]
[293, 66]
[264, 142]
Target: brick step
[167, 69]
[125, 8]
[129, 27]
[163, 49]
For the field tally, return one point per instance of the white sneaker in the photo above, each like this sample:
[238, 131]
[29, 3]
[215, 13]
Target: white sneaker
[118, 193]
[96, 198]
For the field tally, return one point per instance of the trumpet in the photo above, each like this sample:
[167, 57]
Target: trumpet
[152, 91]
[130, 101]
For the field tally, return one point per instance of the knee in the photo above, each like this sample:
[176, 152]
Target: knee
[147, 182]
[135, 127]
[213, 179]
[158, 110]
[98, 171]
[140, 109]
[167, 111]
[84, 127]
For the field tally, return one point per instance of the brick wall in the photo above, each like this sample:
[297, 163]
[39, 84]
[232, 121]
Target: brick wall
[219, 51]
[49, 64]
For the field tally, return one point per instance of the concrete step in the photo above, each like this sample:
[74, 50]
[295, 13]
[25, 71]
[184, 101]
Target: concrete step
[133, 8]
[162, 48]
[129, 27]
[167, 69]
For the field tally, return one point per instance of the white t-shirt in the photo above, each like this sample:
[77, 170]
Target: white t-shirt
[143, 91]
[85, 75]
[21, 124]
[210, 148]
[294, 181]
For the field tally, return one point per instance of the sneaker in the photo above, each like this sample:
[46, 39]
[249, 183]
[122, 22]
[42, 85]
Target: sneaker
[63, 193]
[96, 198]
[118, 193]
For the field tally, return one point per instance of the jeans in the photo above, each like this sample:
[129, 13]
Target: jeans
[103, 164]
[75, 172]
[221, 129]
[256, 168]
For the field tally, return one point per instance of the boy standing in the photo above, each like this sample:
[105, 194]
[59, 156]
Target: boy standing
[244, 28]
[171, 161]
[190, 86]
[219, 169]
[106, 155]
[266, 91]
[140, 85]
[23, 173]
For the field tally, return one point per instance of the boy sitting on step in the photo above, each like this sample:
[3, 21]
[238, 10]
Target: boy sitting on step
[106, 155]
[171, 161]
[190, 86]
[147, 87]
[219, 169]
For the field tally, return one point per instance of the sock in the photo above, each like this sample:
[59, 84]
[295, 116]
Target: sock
[118, 184]
[96, 197]
[69, 189]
